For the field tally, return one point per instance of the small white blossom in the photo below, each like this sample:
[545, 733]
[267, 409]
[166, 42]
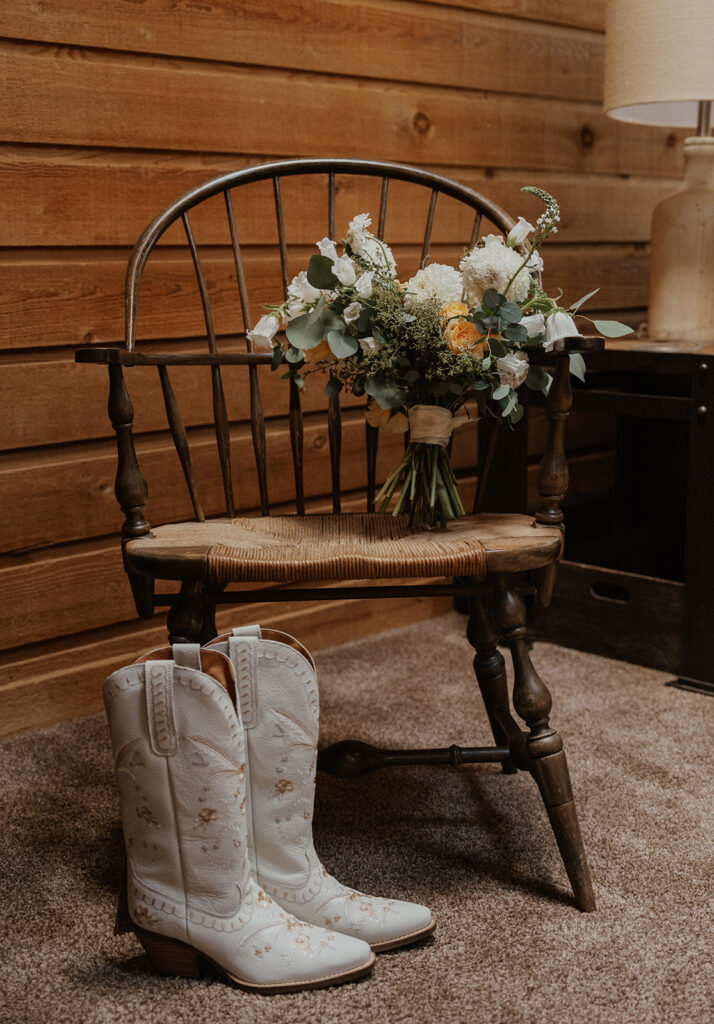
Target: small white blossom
[435, 282]
[352, 312]
[363, 243]
[263, 333]
[557, 326]
[327, 248]
[363, 284]
[519, 232]
[368, 344]
[492, 265]
[344, 270]
[300, 288]
[512, 369]
[534, 324]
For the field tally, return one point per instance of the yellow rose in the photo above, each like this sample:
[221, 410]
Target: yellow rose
[463, 336]
[451, 309]
[318, 353]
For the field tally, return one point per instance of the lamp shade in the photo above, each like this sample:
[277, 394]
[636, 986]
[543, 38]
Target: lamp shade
[659, 60]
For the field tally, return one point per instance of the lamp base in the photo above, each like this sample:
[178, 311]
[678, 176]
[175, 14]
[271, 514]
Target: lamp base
[681, 299]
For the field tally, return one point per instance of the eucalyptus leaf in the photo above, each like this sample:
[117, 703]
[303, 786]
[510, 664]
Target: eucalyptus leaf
[577, 365]
[319, 272]
[411, 375]
[485, 362]
[378, 336]
[497, 347]
[387, 396]
[358, 387]
[500, 392]
[509, 404]
[537, 378]
[300, 381]
[363, 323]
[516, 414]
[408, 318]
[481, 385]
[294, 355]
[515, 332]
[576, 305]
[612, 328]
[277, 358]
[492, 299]
[303, 332]
[341, 344]
[510, 313]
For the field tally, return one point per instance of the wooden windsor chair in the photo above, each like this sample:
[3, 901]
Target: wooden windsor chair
[495, 561]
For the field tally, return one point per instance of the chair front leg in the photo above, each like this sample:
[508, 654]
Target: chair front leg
[490, 670]
[544, 747]
[185, 617]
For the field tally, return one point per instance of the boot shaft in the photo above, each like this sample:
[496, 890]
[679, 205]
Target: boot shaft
[179, 756]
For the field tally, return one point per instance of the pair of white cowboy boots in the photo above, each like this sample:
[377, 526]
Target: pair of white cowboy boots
[215, 757]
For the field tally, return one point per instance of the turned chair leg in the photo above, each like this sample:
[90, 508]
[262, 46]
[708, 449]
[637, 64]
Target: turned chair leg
[185, 617]
[544, 747]
[490, 670]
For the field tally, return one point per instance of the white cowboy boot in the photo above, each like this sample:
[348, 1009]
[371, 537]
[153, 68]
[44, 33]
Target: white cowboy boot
[280, 709]
[179, 755]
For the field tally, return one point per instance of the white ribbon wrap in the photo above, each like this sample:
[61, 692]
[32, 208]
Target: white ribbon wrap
[432, 424]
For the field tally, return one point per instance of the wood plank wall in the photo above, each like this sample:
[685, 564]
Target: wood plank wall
[111, 110]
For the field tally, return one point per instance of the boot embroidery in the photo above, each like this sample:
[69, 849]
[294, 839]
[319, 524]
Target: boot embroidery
[207, 815]
[283, 786]
[147, 815]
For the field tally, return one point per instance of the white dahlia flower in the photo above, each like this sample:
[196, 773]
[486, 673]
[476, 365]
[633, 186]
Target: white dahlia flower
[491, 266]
[436, 281]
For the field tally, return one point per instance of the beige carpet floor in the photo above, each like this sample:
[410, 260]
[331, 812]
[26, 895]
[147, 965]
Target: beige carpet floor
[473, 844]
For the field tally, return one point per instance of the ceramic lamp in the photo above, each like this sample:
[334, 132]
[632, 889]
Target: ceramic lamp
[659, 70]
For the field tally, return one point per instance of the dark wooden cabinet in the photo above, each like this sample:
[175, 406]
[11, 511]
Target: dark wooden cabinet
[637, 579]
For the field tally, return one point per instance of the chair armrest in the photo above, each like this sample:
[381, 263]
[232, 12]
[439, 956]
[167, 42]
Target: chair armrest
[120, 356]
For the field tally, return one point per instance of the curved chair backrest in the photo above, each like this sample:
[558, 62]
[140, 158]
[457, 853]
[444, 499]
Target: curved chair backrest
[464, 214]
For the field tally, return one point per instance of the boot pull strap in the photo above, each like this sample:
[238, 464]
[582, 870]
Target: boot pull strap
[243, 652]
[248, 631]
[159, 689]
[187, 655]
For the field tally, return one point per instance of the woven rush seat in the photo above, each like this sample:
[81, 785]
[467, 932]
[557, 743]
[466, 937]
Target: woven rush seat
[278, 549]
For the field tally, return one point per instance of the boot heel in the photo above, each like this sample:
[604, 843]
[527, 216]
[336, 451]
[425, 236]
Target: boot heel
[169, 956]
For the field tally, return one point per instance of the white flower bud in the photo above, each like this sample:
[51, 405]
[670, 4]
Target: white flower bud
[263, 333]
[327, 248]
[363, 284]
[352, 312]
[519, 232]
[344, 270]
[534, 324]
[557, 326]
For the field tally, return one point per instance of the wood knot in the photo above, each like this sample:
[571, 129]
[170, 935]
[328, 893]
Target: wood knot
[671, 140]
[421, 122]
[587, 137]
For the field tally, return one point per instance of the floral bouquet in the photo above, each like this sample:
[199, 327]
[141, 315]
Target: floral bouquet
[420, 349]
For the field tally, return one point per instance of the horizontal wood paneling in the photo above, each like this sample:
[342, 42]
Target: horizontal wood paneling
[407, 42]
[65, 299]
[77, 482]
[64, 95]
[559, 12]
[70, 197]
[94, 590]
[64, 682]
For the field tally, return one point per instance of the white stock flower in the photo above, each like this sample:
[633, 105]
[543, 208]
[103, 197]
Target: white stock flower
[519, 232]
[512, 369]
[491, 266]
[327, 248]
[363, 284]
[263, 333]
[435, 282]
[363, 243]
[344, 270]
[534, 324]
[557, 326]
[352, 312]
[300, 288]
[535, 262]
